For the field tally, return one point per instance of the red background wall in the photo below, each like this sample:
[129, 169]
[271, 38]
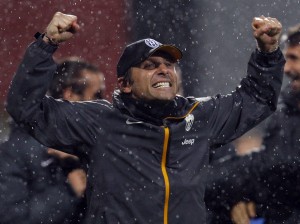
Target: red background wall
[102, 36]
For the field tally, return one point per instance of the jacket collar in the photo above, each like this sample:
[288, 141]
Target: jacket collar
[150, 111]
[290, 100]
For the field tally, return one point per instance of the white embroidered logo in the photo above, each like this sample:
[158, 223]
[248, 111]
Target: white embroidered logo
[188, 141]
[152, 43]
[133, 122]
[189, 122]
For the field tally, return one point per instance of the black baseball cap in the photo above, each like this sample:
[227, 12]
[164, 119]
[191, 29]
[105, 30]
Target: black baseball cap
[140, 50]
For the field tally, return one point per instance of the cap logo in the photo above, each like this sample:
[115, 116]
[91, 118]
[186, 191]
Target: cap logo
[152, 43]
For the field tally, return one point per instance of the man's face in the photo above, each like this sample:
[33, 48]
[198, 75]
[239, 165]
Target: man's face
[154, 79]
[89, 87]
[292, 67]
[94, 85]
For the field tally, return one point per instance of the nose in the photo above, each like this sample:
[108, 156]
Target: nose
[287, 67]
[163, 69]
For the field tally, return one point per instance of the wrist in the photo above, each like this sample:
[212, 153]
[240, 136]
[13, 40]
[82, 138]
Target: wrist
[40, 43]
[266, 49]
[46, 39]
[50, 40]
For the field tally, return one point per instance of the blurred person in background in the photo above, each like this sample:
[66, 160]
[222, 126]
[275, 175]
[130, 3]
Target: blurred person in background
[40, 184]
[266, 183]
[216, 198]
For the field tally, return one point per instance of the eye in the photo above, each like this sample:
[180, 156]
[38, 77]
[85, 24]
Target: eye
[149, 65]
[169, 64]
[292, 57]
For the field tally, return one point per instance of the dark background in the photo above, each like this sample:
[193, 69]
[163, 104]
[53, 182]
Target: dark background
[215, 36]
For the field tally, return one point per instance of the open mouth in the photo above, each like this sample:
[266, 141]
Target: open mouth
[162, 85]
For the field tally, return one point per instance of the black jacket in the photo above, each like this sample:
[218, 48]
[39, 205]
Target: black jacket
[33, 186]
[146, 162]
[269, 177]
[223, 186]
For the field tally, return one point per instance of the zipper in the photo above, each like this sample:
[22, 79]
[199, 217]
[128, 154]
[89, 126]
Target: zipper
[165, 174]
[164, 162]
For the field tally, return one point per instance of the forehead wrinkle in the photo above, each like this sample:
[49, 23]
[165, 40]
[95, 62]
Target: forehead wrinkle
[164, 55]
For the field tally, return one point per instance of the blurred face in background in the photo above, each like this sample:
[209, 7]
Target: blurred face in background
[90, 86]
[94, 85]
[292, 67]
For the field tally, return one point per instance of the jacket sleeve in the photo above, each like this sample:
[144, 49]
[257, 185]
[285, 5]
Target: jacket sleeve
[259, 177]
[228, 181]
[55, 123]
[255, 99]
[21, 200]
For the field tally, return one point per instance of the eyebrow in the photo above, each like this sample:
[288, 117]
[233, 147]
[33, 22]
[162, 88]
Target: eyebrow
[292, 56]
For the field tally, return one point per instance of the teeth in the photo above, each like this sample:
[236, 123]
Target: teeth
[162, 85]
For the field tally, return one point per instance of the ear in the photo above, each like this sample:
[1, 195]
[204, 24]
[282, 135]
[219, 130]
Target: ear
[124, 86]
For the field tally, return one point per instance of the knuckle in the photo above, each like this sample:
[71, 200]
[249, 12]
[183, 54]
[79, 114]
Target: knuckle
[58, 14]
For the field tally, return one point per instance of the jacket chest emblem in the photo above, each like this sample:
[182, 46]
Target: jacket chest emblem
[189, 120]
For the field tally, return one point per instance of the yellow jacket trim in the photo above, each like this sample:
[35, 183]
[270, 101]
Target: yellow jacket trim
[193, 107]
[165, 175]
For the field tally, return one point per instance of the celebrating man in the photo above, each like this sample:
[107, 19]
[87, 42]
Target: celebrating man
[148, 149]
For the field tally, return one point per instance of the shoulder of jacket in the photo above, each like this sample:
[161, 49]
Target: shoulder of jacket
[203, 99]
[95, 104]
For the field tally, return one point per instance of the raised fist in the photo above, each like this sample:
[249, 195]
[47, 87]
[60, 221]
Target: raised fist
[266, 31]
[61, 28]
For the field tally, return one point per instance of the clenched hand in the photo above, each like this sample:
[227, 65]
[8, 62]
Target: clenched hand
[266, 31]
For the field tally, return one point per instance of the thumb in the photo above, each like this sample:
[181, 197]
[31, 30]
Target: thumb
[251, 209]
